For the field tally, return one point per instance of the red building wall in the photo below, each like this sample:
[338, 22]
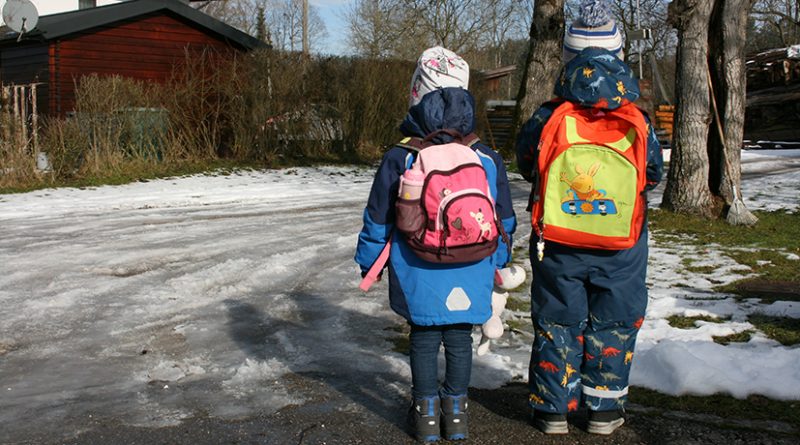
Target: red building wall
[146, 48]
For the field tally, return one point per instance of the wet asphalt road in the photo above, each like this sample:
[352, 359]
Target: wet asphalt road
[339, 410]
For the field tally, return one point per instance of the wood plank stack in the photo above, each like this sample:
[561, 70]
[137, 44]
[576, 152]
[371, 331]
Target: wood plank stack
[773, 68]
[773, 96]
[664, 123]
[500, 116]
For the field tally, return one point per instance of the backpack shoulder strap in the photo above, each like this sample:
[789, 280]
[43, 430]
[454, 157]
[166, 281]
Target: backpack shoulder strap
[412, 143]
[470, 139]
[416, 144]
[553, 103]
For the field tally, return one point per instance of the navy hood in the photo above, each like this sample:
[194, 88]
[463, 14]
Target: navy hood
[446, 108]
[596, 78]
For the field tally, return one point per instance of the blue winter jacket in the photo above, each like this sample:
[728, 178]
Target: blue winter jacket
[569, 283]
[428, 293]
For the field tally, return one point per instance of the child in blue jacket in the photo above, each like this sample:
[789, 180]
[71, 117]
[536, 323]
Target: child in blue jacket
[587, 305]
[441, 302]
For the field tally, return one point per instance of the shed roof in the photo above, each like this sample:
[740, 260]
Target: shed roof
[497, 73]
[55, 26]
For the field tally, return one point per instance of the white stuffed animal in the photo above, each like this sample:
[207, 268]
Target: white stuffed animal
[510, 277]
[493, 328]
[505, 279]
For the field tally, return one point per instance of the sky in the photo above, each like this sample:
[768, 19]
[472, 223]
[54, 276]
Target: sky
[330, 10]
[53, 6]
[149, 302]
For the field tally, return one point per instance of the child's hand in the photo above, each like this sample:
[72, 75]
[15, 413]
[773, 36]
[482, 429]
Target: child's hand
[509, 277]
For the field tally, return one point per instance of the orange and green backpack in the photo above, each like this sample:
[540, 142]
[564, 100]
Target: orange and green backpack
[592, 165]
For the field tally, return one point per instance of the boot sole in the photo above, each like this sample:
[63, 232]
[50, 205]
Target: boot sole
[551, 427]
[455, 429]
[428, 431]
[605, 428]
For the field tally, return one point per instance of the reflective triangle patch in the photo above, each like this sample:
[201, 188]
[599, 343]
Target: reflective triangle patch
[458, 300]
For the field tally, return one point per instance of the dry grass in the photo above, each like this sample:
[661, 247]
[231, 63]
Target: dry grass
[259, 109]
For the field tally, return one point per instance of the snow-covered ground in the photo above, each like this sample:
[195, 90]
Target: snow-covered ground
[156, 301]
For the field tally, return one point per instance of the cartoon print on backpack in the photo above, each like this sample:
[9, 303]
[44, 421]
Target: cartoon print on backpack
[486, 227]
[582, 198]
[582, 185]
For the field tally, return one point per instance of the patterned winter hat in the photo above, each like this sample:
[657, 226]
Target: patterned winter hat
[595, 28]
[437, 68]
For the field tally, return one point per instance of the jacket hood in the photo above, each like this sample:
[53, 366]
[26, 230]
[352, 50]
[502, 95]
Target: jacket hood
[446, 108]
[596, 78]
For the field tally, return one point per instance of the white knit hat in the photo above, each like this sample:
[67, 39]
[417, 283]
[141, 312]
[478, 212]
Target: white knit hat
[437, 68]
[594, 28]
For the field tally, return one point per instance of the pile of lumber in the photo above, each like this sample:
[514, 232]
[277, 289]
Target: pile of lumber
[773, 96]
[773, 68]
[664, 122]
[500, 114]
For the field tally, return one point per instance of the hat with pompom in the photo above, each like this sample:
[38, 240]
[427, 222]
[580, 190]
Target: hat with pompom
[593, 28]
[438, 68]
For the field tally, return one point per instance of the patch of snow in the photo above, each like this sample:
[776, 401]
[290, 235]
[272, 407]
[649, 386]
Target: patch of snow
[116, 299]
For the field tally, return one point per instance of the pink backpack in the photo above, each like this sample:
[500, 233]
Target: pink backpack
[445, 206]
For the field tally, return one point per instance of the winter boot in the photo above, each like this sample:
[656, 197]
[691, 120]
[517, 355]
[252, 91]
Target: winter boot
[423, 417]
[454, 417]
[604, 422]
[550, 423]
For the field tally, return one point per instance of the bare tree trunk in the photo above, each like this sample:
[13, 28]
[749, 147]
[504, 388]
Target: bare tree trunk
[305, 28]
[687, 189]
[727, 41]
[542, 62]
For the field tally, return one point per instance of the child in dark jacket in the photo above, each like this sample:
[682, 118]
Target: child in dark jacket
[441, 302]
[587, 304]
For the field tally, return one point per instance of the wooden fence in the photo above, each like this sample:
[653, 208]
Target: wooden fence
[500, 114]
[20, 118]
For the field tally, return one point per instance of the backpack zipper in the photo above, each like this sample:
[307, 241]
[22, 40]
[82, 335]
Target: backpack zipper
[441, 220]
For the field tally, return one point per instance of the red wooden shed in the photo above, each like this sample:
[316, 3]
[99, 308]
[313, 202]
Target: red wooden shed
[140, 39]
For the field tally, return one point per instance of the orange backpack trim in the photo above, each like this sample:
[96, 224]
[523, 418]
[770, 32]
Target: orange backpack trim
[625, 133]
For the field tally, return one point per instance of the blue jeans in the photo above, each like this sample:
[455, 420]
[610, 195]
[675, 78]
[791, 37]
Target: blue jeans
[425, 343]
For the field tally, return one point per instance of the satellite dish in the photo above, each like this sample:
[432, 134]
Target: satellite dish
[20, 15]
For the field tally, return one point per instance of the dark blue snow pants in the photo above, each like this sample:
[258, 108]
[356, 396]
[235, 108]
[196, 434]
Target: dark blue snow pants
[587, 307]
[426, 341]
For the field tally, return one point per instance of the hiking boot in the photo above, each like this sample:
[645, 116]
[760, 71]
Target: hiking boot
[454, 417]
[423, 417]
[550, 423]
[604, 422]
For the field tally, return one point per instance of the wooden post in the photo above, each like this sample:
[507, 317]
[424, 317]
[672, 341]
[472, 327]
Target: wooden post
[16, 104]
[15, 98]
[6, 113]
[23, 99]
[34, 122]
